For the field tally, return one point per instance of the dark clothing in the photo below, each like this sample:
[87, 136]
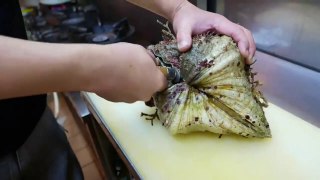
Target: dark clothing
[11, 21]
[18, 116]
[45, 155]
[32, 144]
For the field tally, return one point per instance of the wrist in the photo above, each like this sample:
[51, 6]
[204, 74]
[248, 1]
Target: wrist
[176, 9]
[82, 68]
[96, 67]
[164, 8]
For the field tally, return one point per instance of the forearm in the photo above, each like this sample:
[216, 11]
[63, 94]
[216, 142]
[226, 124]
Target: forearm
[118, 72]
[29, 68]
[164, 8]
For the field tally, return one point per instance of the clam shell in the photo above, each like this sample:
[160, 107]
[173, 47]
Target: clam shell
[216, 94]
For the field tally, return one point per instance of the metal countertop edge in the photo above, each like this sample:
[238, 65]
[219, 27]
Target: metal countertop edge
[119, 149]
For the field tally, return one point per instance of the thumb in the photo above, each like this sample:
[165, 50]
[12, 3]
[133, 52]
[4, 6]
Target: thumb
[184, 39]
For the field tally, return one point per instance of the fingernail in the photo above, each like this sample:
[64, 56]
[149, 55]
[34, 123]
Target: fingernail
[250, 59]
[247, 55]
[183, 45]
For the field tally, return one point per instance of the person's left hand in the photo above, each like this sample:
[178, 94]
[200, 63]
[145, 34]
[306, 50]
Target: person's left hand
[189, 20]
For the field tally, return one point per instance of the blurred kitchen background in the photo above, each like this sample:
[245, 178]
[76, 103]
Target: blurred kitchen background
[286, 32]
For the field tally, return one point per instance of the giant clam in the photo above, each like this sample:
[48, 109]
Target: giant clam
[217, 91]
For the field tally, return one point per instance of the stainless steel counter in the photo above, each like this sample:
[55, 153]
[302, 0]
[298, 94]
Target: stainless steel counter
[291, 87]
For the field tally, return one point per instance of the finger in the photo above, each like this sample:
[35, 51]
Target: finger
[252, 45]
[162, 81]
[151, 54]
[237, 34]
[184, 38]
[155, 60]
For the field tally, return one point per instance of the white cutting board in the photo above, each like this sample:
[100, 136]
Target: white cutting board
[292, 153]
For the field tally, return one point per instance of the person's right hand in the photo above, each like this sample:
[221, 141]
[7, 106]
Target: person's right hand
[124, 72]
[120, 72]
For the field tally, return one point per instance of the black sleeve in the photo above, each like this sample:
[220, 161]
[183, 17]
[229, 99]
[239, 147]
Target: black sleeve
[11, 20]
[18, 116]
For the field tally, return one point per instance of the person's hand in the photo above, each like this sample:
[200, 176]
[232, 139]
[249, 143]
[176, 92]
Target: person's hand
[188, 20]
[126, 73]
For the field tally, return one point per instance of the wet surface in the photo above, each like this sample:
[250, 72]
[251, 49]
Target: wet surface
[286, 29]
